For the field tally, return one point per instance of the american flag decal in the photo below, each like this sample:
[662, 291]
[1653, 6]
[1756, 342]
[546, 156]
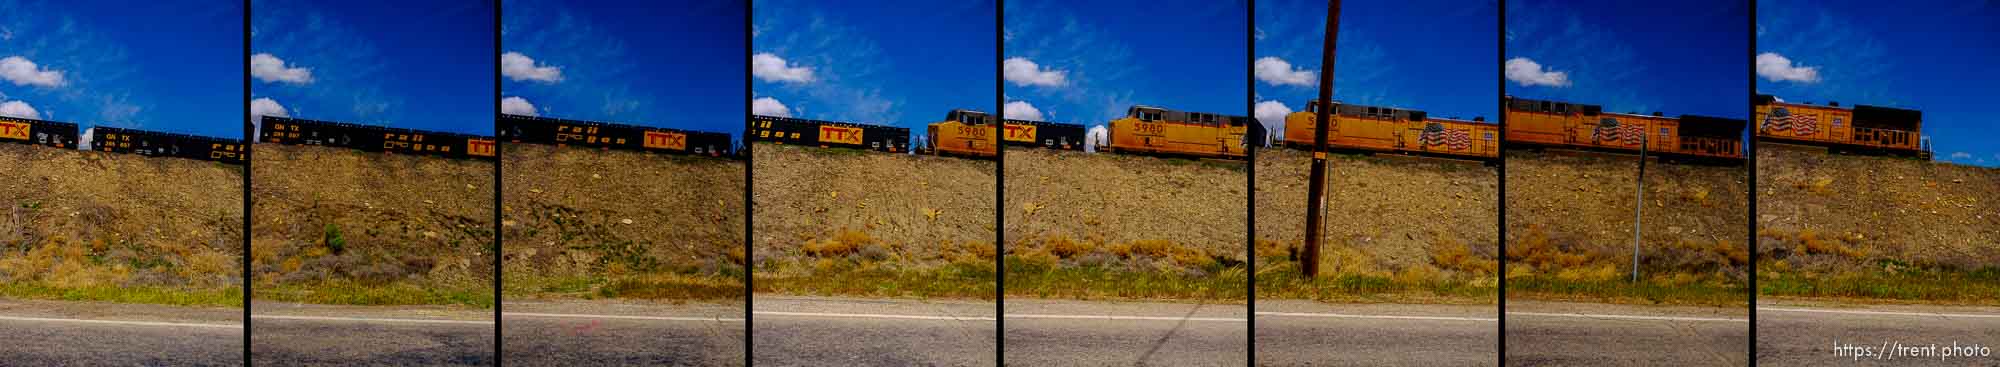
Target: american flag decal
[1436, 134]
[1803, 125]
[1780, 119]
[1606, 132]
[1633, 133]
[1433, 134]
[1458, 139]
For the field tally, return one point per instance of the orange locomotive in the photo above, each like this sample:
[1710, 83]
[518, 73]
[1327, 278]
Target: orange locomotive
[1382, 129]
[1558, 124]
[1154, 130]
[964, 133]
[1861, 127]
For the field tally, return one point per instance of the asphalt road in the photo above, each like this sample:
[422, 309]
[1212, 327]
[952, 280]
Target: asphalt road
[317, 335]
[1806, 334]
[46, 333]
[1307, 333]
[1588, 334]
[615, 333]
[799, 331]
[1072, 333]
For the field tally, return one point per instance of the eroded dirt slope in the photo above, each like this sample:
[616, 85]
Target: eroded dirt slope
[372, 218]
[1397, 211]
[80, 219]
[1852, 209]
[1569, 210]
[571, 211]
[1109, 201]
[919, 210]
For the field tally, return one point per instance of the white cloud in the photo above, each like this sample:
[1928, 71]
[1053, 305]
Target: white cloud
[772, 68]
[271, 69]
[768, 106]
[25, 73]
[1021, 110]
[1777, 68]
[1097, 136]
[1026, 73]
[1260, 33]
[1527, 73]
[520, 67]
[1961, 155]
[1276, 71]
[19, 109]
[264, 107]
[1272, 115]
[518, 106]
[83, 141]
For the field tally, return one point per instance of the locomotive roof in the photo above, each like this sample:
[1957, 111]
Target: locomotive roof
[1871, 112]
[599, 123]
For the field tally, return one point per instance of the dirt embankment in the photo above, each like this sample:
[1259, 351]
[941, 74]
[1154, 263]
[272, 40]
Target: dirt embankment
[1395, 212]
[1830, 213]
[1569, 214]
[1094, 207]
[910, 210]
[373, 219]
[75, 219]
[577, 212]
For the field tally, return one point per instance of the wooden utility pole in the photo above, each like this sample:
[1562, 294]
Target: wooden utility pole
[1316, 190]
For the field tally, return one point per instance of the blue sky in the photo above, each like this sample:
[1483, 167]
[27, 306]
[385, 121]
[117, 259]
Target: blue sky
[899, 63]
[1087, 62]
[123, 64]
[420, 64]
[1676, 57]
[1931, 56]
[1429, 55]
[647, 63]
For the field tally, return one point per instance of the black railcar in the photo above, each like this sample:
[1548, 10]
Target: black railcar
[161, 144]
[787, 130]
[38, 132]
[292, 131]
[1051, 135]
[547, 130]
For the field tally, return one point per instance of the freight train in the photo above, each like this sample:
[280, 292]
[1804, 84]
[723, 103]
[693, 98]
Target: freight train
[159, 144]
[1375, 129]
[1049, 135]
[1160, 131]
[292, 131]
[119, 140]
[1539, 123]
[1858, 128]
[555, 131]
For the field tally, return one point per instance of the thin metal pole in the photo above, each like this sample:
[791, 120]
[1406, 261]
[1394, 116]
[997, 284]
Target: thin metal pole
[1316, 190]
[1640, 192]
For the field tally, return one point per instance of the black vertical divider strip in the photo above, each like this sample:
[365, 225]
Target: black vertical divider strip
[749, 180]
[500, 155]
[1250, 204]
[1750, 161]
[1499, 62]
[1000, 187]
[249, 142]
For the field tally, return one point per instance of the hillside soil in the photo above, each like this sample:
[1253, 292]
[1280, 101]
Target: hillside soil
[1396, 228]
[85, 225]
[834, 221]
[1570, 221]
[342, 226]
[1091, 225]
[588, 223]
[1875, 228]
